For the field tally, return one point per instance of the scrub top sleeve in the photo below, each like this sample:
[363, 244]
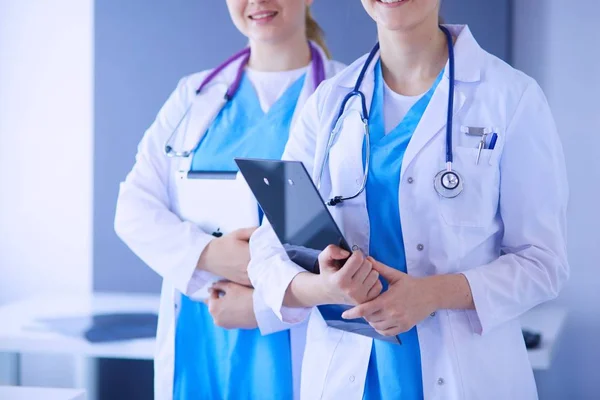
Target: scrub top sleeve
[533, 204]
[143, 219]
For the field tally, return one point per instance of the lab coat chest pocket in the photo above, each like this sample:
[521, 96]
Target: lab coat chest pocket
[477, 205]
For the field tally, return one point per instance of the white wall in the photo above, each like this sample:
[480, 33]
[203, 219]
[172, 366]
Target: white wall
[558, 43]
[46, 143]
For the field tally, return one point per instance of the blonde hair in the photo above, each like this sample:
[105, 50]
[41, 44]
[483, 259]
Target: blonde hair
[315, 33]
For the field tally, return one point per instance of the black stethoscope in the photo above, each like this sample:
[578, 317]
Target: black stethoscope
[447, 182]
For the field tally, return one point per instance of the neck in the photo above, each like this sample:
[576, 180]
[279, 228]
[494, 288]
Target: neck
[286, 55]
[411, 60]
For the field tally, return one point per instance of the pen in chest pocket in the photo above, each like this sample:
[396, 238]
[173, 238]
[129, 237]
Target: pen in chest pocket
[483, 133]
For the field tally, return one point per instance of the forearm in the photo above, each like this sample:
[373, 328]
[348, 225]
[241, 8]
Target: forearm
[305, 290]
[206, 261]
[450, 292]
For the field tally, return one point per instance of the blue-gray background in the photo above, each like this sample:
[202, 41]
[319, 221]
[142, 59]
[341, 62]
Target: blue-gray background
[142, 48]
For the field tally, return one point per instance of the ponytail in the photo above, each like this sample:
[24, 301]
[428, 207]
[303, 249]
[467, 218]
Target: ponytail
[315, 33]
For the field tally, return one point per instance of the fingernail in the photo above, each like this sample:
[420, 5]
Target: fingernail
[344, 253]
[344, 315]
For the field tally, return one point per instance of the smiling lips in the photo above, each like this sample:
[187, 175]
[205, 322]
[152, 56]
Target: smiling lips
[392, 3]
[263, 17]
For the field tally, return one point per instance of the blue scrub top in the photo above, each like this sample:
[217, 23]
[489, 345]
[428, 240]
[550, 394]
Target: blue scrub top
[211, 362]
[394, 371]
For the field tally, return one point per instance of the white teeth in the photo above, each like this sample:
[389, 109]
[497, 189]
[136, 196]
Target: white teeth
[390, 1]
[263, 15]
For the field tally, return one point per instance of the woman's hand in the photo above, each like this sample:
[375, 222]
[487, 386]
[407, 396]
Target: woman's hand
[228, 256]
[407, 302]
[231, 306]
[410, 300]
[353, 283]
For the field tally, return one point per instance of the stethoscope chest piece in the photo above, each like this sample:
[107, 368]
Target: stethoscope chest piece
[448, 184]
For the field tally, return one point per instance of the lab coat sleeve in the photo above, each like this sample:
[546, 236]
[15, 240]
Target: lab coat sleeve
[144, 220]
[268, 322]
[271, 270]
[533, 266]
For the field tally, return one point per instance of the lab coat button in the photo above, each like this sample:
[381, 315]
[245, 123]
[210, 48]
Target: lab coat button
[354, 248]
[410, 180]
[432, 314]
[351, 379]
[441, 381]
[420, 247]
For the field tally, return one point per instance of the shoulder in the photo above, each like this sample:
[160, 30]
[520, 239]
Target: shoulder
[187, 85]
[338, 84]
[499, 75]
[507, 89]
[334, 67]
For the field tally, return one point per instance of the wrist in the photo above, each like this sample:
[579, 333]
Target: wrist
[206, 259]
[306, 290]
[449, 292]
[432, 290]
[323, 294]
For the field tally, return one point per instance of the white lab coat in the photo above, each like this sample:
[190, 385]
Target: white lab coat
[148, 209]
[505, 232]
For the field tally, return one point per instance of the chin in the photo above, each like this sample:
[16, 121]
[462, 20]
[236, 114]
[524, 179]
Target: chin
[400, 16]
[397, 25]
[269, 35]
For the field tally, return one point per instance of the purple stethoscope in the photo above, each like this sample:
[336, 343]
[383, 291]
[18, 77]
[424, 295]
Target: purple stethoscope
[318, 69]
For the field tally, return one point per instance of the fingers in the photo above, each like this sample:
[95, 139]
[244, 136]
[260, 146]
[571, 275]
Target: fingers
[222, 286]
[363, 272]
[377, 316]
[389, 274]
[383, 326]
[375, 290]
[371, 279]
[212, 301]
[394, 331]
[351, 267]
[331, 254]
[214, 295]
[363, 310]
[244, 233]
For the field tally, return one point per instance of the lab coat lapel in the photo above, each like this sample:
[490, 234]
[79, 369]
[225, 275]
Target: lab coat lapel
[204, 108]
[434, 121]
[309, 83]
[345, 158]
[346, 168]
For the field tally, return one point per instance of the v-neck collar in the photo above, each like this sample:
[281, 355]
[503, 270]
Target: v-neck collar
[410, 121]
[248, 91]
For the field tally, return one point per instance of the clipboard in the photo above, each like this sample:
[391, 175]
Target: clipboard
[303, 224]
[218, 202]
